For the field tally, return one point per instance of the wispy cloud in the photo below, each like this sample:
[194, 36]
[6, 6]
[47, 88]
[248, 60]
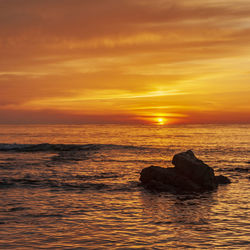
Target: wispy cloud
[96, 97]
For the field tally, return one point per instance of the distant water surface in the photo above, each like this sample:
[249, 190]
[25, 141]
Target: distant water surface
[76, 187]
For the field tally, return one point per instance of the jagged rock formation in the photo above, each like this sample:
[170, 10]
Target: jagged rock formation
[189, 175]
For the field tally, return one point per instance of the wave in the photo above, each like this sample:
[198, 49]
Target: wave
[238, 169]
[133, 161]
[84, 183]
[47, 147]
[43, 147]
[32, 183]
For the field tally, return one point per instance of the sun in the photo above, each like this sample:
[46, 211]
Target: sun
[160, 121]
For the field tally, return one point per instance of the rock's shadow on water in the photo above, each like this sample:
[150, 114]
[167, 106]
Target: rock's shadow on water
[186, 210]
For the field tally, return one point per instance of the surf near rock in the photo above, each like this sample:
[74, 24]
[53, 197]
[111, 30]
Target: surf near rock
[190, 174]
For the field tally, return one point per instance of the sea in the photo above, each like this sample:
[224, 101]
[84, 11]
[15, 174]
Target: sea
[77, 187]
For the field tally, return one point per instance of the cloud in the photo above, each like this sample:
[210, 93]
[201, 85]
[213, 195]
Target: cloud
[71, 29]
[61, 22]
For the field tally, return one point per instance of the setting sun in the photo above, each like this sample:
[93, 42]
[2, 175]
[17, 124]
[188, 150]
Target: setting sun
[160, 121]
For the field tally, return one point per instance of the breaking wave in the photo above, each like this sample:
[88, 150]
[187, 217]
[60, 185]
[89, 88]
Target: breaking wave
[47, 147]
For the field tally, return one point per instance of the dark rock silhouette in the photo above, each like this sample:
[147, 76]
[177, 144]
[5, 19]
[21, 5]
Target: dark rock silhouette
[222, 179]
[189, 175]
[194, 169]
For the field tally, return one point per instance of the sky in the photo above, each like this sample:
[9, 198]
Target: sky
[126, 61]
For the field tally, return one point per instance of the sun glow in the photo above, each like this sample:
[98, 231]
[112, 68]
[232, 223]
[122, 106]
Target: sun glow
[160, 121]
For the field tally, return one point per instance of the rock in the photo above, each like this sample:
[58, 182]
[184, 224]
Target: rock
[222, 179]
[189, 175]
[196, 170]
[166, 179]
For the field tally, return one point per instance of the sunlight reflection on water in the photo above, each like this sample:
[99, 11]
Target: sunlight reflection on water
[91, 199]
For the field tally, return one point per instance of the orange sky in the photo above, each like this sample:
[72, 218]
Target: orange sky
[124, 61]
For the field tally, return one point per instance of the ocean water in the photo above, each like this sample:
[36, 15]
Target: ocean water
[76, 187]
